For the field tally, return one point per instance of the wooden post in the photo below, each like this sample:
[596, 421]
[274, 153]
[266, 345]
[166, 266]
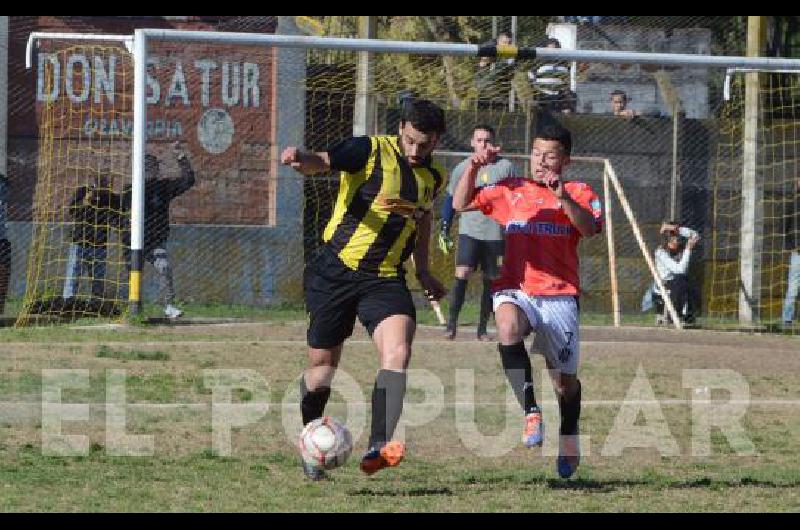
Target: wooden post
[752, 221]
[642, 246]
[612, 254]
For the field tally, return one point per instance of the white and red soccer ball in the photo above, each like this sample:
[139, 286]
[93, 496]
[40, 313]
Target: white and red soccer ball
[325, 443]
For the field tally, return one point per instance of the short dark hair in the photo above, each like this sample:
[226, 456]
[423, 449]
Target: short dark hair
[484, 127]
[550, 40]
[425, 116]
[556, 133]
[619, 93]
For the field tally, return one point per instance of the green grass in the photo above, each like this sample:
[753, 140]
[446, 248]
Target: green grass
[166, 370]
[104, 352]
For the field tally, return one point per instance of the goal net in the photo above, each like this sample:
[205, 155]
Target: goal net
[242, 233]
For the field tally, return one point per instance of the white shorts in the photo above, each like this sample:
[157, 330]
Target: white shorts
[554, 320]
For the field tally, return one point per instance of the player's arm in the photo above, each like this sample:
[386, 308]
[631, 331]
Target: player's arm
[182, 184]
[307, 163]
[433, 288]
[580, 217]
[465, 192]
[350, 155]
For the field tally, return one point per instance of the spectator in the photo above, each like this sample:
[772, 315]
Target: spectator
[94, 209]
[619, 105]
[672, 264]
[159, 193]
[792, 244]
[551, 84]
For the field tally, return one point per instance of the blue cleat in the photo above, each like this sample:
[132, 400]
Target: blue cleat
[569, 455]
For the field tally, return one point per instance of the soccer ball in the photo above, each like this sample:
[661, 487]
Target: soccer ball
[325, 443]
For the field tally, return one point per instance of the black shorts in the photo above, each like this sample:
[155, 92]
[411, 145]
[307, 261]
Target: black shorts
[473, 252]
[336, 294]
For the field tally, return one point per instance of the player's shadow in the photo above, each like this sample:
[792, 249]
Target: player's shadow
[581, 484]
[403, 492]
[610, 485]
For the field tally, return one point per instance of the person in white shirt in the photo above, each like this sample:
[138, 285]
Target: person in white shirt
[672, 264]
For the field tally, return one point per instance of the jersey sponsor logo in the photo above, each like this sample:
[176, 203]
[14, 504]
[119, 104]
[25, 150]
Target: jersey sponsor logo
[538, 228]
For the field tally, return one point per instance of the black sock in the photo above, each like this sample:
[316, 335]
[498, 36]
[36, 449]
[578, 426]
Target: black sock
[570, 412]
[312, 402]
[486, 306]
[517, 366]
[387, 405]
[459, 292]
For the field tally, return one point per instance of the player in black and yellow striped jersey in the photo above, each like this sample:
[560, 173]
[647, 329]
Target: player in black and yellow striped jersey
[382, 216]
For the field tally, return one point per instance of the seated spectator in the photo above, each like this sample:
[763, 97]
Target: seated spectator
[551, 84]
[585, 20]
[619, 105]
[672, 264]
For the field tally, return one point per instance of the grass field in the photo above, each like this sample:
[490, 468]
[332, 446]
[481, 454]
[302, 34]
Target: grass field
[457, 460]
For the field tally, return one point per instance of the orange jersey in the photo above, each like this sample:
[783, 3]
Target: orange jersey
[541, 251]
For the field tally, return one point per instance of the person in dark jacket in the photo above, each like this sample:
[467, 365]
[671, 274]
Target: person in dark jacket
[159, 192]
[94, 209]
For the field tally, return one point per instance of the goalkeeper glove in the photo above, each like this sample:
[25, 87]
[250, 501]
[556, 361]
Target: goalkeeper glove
[444, 239]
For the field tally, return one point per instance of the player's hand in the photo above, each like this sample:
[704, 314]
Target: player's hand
[433, 288]
[178, 151]
[291, 157]
[482, 158]
[445, 243]
[553, 182]
[443, 239]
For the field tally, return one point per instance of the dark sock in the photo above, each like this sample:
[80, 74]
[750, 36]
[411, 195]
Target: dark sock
[486, 306]
[387, 405]
[312, 402]
[459, 292]
[570, 412]
[517, 366]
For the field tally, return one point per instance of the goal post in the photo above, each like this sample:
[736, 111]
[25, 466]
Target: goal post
[313, 120]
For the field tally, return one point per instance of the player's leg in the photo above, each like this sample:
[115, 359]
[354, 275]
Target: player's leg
[792, 288]
[515, 321]
[466, 261]
[166, 287]
[315, 384]
[558, 338]
[74, 258]
[490, 255]
[331, 301]
[98, 256]
[387, 311]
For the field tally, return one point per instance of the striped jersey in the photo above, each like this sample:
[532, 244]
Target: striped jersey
[373, 228]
